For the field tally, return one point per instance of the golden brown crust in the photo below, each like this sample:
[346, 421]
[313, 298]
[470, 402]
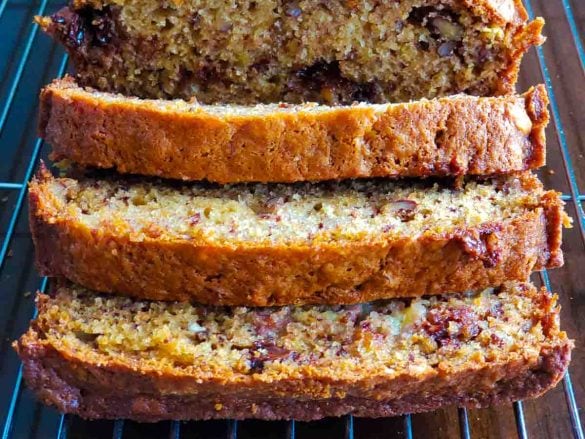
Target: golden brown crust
[537, 109]
[449, 136]
[357, 271]
[74, 383]
[517, 382]
[525, 37]
[556, 220]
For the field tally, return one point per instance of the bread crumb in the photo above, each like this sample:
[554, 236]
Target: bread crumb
[301, 51]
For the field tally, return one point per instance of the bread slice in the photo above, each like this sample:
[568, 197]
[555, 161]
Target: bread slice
[457, 135]
[264, 245]
[263, 51]
[113, 357]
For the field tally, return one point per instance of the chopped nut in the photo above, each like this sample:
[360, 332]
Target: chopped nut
[520, 119]
[447, 29]
[268, 207]
[404, 209]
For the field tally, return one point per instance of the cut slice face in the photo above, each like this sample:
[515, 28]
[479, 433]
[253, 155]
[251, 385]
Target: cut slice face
[293, 244]
[267, 51]
[452, 136]
[104, 356]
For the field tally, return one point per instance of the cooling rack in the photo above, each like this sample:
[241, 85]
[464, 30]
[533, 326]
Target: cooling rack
[29, 60]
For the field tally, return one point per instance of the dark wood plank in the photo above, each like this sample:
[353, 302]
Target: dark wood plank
[495, 422]
[436, 425]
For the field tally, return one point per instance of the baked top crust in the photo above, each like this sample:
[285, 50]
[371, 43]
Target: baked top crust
[453, 136]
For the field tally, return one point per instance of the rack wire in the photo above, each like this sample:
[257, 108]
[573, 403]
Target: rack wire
[14, 72]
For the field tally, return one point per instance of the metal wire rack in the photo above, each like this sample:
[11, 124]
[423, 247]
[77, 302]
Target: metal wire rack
[27, 61]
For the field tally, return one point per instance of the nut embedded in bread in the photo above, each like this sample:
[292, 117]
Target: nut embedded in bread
[457, 135]
[262, 51]
[257, 244]
[113, 357]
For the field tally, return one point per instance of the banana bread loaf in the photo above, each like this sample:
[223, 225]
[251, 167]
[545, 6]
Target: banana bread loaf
[256, 244]
[263, 51]
[113, 357]
[457, 135]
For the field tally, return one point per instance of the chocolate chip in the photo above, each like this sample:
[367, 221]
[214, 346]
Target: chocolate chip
[483, 55]
[422, 45]
[261, 66]
[256, 365]
[446, 49]
[270, 352]
[328, 84]
[76, 33]
[85, 26]
[293, 11]
[101, 27]
[58, 19]
[370, 92]
[438, 328]
[482, 244]
[419, 16]
[195, 20]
